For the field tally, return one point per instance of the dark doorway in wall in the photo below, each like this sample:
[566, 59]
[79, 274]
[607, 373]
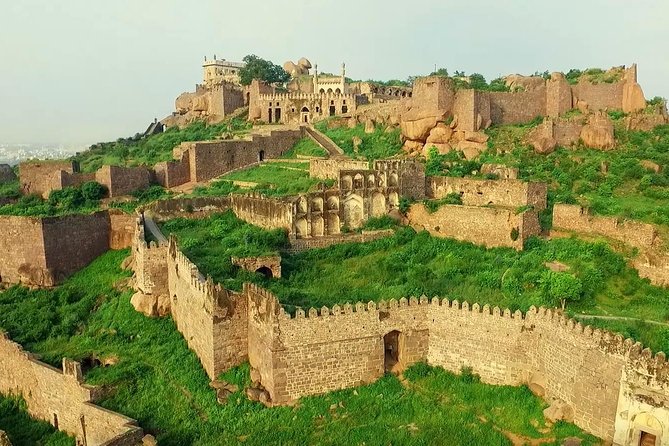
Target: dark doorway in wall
[333, 110]
[269, 121]
[344, 108]
[248, 98]
[647, 439]
[261, 156]
[265, 271]
[391, 350]
[55, 421]
[277, 114]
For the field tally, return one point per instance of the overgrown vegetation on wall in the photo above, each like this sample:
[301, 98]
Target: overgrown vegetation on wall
[158, 381]
[611, 183]
[383, 143]
[70, 200]
[78, 200]
[138, 150]
[23, 430]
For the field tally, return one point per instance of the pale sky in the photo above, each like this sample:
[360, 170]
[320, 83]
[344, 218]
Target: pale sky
[82, 71]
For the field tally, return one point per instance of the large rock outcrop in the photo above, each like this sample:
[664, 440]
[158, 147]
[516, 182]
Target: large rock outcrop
[598, 132]
[518, 82]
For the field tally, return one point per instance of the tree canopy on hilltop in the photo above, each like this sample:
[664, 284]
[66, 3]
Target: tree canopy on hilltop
[261, 69]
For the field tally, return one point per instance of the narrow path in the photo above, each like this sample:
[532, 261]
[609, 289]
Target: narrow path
[152, 227]
[326, 143]
[620, 318]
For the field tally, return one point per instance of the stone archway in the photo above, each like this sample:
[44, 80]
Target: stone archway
[646, 430]
[304, 114]
[265, 271]
[391, 351]
[333, 224]
[353, 212]
[317, 227]
[378, 205]
[301, 228]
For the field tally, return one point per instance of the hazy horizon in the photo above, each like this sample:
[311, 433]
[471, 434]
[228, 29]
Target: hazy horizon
[81, 72]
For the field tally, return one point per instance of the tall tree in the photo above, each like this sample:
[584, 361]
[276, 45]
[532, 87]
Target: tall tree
[261, 69]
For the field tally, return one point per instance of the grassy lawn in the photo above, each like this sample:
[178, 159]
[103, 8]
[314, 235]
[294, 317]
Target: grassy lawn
[276, 179]
[305, 147]
[158, 381]
[378, 145]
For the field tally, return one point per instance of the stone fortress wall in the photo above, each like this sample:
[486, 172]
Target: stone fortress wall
[44, 251]
[440, 116]
[652, 261]
[489, 226]
[42, 177]
[482, 192]
[614, 388]
[61, 398]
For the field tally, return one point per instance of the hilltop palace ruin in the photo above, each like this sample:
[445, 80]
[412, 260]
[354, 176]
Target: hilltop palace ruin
[611, 387]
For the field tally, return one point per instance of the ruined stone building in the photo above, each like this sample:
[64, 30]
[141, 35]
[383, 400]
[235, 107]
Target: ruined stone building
[219, 95]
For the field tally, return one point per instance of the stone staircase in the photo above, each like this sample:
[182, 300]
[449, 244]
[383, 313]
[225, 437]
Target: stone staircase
[334, 151]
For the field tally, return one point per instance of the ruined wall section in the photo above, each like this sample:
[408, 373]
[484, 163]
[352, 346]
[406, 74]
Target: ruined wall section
[22, 255]
[60, 397]
[214, 158]
[123, 180]
[150, 263]
[72, 242]
[565, 360]
[268, 213]
[211, 319]
[173, 173]
[518, 107]
[41, 177]
[44, 251]
[576, 218]
[481, 192]
[330, 168]
[491, 227]
[121, 229]
[599, 96]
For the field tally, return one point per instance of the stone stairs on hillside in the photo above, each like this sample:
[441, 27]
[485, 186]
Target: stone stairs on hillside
[325, 142]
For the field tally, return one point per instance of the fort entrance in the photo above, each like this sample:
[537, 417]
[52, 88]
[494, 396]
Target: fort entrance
[391, 351]
[647, 439]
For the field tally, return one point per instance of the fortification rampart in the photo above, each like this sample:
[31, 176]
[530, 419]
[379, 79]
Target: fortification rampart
[41, 177]
[123, 180]
[43, 251]
[491, 227]
[302, 244]
[211, 318]
[612, 386]
[61, 398]
[330, 168]
[196, 207]
[480, 192]
[579, 219]
[652, 262]
[268, 213]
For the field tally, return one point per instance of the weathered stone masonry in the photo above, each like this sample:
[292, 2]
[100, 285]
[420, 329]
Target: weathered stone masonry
[44, 251]
[61, 398]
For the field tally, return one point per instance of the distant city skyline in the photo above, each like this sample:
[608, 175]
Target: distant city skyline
[80, 72]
